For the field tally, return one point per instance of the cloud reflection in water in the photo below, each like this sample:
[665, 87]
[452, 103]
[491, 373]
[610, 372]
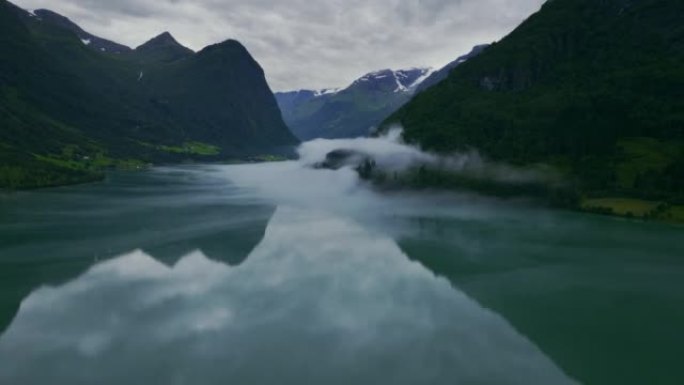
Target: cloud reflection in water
[319, 300]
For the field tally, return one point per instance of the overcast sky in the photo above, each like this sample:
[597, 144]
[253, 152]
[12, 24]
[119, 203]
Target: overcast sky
[308, 43]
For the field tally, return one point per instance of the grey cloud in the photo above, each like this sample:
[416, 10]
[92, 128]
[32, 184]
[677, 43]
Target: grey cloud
[307, 44]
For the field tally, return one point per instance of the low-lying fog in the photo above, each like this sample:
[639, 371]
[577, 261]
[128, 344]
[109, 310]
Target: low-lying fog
[327, 297]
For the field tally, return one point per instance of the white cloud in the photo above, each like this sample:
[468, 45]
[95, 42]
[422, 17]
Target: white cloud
[308, 44]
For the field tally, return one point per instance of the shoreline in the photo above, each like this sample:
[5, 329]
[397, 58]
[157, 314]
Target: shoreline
[98, 176]
[614, 206]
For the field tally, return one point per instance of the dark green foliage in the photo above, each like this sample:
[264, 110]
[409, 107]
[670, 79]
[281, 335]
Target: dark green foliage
[568, 87]
[543, 190]
[198, 96]
[57, 93]
[25, 171]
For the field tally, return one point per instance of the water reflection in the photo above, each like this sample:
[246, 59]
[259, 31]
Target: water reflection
[52, 236]
[601, 296]
[319, 300]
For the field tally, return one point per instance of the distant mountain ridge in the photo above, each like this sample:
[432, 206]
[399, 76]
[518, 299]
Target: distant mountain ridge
[72, 104]
[402, 80]
[352, 111]
[357, 109]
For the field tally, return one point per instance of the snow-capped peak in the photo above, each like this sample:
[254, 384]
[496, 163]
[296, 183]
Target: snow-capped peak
[375, 75]
[406, 80]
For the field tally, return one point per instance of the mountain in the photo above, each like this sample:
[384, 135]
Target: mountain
[593, 88]
[443, 73]
[94, 42]
[350, 112]
[67, 110]
[163, 48]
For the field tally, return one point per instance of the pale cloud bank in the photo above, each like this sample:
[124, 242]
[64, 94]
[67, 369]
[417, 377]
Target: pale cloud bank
[304, 43]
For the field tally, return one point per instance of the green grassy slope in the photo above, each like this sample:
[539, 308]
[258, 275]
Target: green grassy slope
[26, 129]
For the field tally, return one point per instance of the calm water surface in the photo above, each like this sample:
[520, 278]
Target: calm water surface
[274, 274]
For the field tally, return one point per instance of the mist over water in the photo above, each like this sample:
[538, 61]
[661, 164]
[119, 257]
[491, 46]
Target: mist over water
[301, 184]
[392, 155]
[330, 293]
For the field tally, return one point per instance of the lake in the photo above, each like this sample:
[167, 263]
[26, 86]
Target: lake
[280, 274]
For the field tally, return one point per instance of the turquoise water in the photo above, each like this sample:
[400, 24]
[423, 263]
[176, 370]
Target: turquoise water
[273, 274]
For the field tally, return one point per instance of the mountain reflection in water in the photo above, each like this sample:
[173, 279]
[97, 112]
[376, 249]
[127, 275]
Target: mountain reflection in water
[319, 300]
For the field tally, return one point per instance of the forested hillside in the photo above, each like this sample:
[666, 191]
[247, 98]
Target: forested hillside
[68, 109]
[594, 88]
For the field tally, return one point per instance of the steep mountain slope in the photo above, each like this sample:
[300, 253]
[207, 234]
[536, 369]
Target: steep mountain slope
[595, 88]
[94, 42]
[443, 73]
[26, 129]
[161, 49]
[219, 87]
[71, 110]
[353, 111]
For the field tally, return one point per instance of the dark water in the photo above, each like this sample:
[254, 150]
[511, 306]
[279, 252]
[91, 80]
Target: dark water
[271, 274]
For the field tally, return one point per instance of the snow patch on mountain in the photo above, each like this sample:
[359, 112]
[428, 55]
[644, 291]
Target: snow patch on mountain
[400, 87]
[32, 13]
[406, 80]
[426, 74]
[409, 79]
[326, 91]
